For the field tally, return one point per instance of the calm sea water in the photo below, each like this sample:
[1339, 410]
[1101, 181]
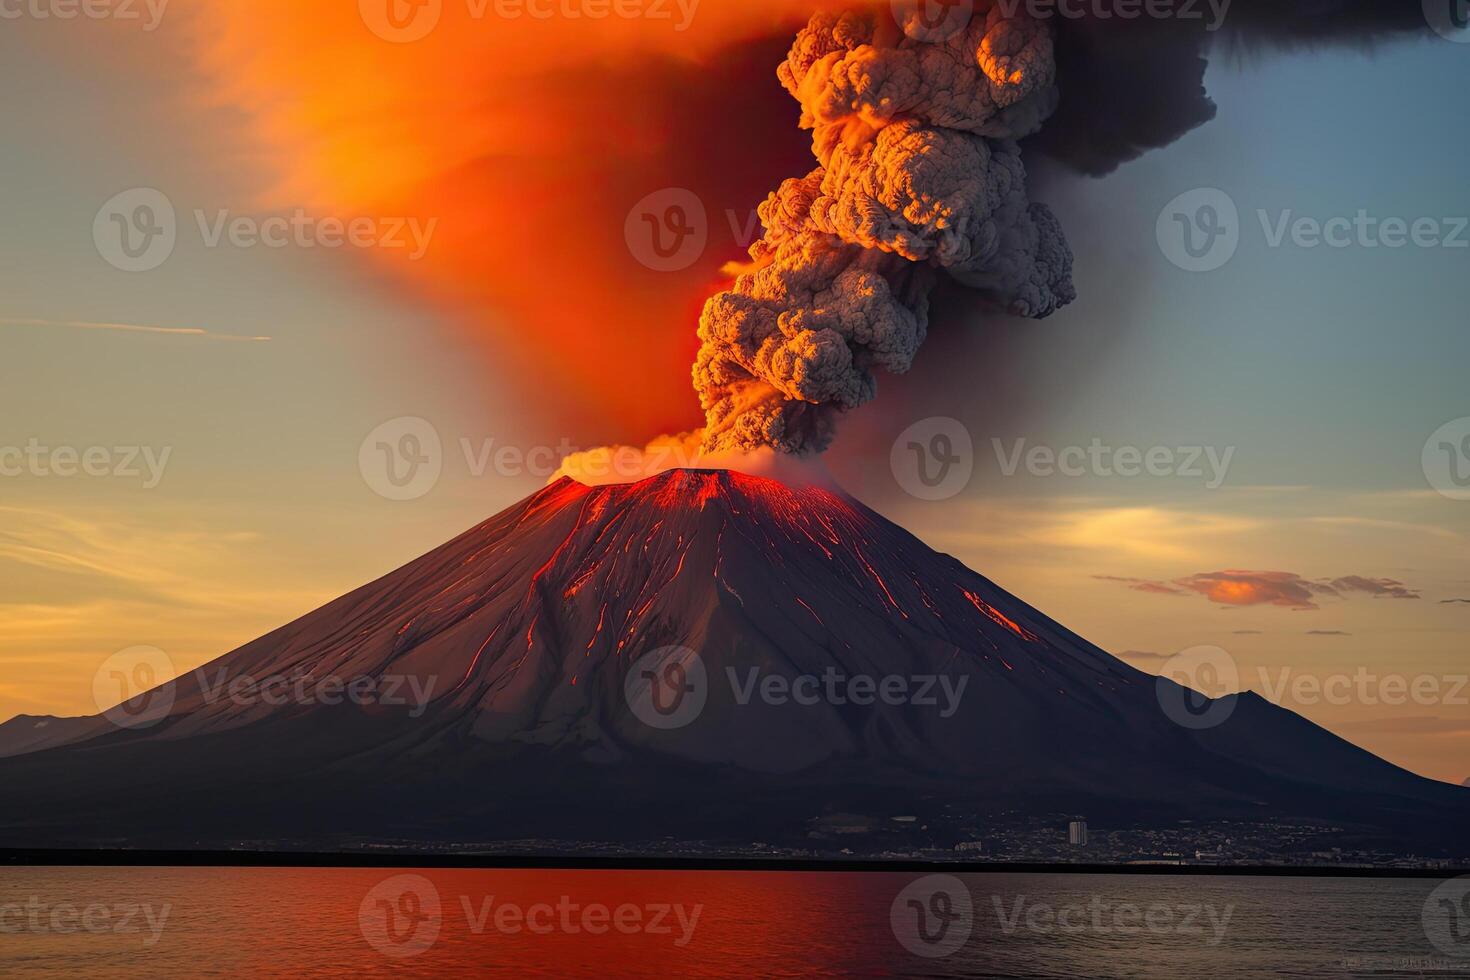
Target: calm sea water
[70, 922]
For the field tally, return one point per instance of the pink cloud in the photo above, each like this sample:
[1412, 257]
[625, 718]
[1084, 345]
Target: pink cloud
[1240, 587]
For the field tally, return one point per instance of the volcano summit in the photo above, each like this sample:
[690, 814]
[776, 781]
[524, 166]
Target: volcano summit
[703, 655]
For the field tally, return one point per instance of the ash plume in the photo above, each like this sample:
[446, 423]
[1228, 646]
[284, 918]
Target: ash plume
[919, 174]
[918, 142]
[574, 119]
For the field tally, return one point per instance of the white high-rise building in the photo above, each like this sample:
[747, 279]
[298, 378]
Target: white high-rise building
[1077, 833]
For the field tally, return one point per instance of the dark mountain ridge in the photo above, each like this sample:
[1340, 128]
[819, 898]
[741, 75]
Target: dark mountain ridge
[494, 700]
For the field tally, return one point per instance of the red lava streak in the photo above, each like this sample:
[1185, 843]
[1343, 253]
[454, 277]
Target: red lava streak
[1001, 618]
[578, 579]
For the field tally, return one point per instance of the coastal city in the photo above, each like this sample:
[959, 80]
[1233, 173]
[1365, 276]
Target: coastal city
[1008, 838]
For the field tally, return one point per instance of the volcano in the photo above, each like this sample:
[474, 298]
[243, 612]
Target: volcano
[528, 680]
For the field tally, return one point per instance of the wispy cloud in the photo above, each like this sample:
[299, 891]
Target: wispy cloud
[1386, 588]
[71, 559]
[1239, 587]
[1417, 724]
[77, 587]
[1059, 528]
[197, 332]
[1144, 585]
[1407, 527]
[1147, 532]
[1143, 655]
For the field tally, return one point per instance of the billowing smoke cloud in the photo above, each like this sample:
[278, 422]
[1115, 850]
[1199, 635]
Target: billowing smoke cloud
[1130, 85]
[531, 138]
[919, 173]
[916, 133]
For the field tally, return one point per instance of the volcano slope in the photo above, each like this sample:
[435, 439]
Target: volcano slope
[504, 682]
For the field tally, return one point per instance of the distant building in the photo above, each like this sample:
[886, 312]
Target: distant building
[1077, 833]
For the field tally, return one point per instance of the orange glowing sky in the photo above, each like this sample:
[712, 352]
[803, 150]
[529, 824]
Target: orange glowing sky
[529, 140]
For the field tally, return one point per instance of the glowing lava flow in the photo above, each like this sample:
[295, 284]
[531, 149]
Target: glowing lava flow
[616, 570]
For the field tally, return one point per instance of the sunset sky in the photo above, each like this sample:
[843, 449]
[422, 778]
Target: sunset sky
[527, 322]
